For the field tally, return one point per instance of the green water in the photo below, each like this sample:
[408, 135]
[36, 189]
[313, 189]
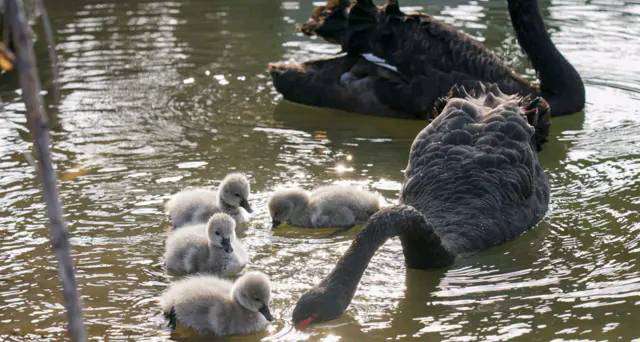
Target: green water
[157, 96]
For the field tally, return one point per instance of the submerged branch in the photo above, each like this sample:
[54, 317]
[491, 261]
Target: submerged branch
[37, 122]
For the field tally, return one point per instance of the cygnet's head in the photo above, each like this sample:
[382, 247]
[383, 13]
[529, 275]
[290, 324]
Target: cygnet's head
[283, 203]
[253, 292]
[221, 230]
[234, 191]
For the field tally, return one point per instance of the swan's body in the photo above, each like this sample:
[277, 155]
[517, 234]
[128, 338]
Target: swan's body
[327, 206]
[400, 64]
[211, 305]
[205, 248]
[473, 181]
[197, 205]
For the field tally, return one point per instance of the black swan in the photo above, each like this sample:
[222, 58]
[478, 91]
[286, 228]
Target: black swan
[473, 181]
[423, 58]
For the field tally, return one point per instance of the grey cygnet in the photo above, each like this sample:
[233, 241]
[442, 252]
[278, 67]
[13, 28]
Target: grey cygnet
[197, 205]
[206, 248]
[216, 306]
[328, 206]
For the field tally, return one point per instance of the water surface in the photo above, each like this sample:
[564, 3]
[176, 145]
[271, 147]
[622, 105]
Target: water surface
[160, 95]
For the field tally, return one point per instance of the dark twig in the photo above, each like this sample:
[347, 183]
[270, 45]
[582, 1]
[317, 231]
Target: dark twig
[37, 122]
[53, 57]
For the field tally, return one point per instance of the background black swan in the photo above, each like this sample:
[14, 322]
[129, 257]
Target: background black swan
[429, 57]
[473, 181]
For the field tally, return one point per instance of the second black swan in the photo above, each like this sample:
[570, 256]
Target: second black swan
[399, 64]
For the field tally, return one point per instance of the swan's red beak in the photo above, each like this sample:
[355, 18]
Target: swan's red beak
[305, 322]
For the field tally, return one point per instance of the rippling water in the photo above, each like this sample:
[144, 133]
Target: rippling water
[161, 95]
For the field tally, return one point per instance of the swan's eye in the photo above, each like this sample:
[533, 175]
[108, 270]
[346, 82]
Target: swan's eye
[217, 233]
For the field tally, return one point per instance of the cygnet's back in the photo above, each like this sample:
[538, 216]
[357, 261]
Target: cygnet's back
[342, 206]
[193, 299]
[192, 206]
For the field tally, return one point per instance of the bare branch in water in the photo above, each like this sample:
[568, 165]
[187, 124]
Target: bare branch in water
[25, 63]
[53, 57]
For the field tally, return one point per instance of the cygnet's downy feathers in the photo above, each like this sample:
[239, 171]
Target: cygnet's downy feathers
[206, 248]
[211, 305]
[197, 205]
[327, 206]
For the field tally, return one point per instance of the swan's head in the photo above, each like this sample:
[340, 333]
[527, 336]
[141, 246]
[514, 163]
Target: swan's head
[234, 191]
[253, 292]
[221, 230]
[318, 305]
[356, 25]
[329, 21]
[284, 203]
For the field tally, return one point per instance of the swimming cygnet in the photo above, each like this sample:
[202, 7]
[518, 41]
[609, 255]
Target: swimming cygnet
[328, 206]
[197, 205]
[206, 248]
[216, 306]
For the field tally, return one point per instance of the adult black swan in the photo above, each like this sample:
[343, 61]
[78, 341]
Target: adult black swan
[399, 64]
[473, 181]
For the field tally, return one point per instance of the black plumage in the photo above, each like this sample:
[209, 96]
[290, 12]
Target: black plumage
[430, 57]
[473, 181]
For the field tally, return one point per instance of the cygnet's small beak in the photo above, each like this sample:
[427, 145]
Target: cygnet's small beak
[245, 204]
[226, 245]
[264, 310]
[275, 224]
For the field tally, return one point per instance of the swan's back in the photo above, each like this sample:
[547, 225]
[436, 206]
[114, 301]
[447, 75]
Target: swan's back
[474, 174]
[418, 44]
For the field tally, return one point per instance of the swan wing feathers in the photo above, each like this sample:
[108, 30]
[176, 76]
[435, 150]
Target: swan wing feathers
[474, 173]
[417, 44]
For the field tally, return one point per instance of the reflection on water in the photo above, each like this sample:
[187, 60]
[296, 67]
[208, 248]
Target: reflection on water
[162, 95]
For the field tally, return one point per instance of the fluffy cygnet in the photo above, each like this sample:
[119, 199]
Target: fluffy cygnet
[328, 206]
[206, 248]
[197, 205]
[216, 306]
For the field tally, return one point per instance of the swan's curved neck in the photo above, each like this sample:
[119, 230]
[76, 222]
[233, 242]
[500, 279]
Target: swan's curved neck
[560, 83]
[401, 220]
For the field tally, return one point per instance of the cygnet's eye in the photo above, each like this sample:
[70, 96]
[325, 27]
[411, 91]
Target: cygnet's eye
[256, 299]
[217, 233]
[237, 195]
